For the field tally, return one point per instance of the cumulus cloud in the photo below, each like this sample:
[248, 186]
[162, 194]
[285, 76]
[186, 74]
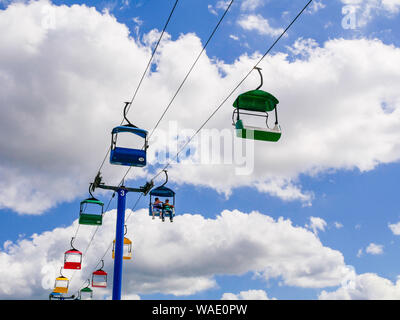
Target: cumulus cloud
[303, 47]
[247, 295]
[316, 6]
[338, 225]
[374, 249]
[221, 4]
[66, 70]
[365, 286]
[258, 23]
[251, 5]
[395, 228]
[179, 258]
[316, 224]
[212, 10]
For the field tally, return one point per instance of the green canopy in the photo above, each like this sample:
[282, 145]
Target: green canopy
[93, 219]
[256, 100]
[92, 200]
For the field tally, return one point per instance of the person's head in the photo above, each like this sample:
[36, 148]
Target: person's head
[156, 199]
[167, 201]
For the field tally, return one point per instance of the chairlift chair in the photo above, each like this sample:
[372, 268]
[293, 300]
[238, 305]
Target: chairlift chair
[256, 103]
[61, 284]
[162, 192]
[91, 211]
[127, 248]
[128, 156]
[86, 293]
[73, 258]
[99, 278]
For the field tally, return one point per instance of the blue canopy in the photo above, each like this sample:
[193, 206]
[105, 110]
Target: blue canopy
[140, 132]
[162, 192]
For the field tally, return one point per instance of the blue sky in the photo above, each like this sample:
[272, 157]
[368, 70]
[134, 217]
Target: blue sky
[338, 189]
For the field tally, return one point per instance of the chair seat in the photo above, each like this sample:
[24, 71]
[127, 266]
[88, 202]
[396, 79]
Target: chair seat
[128, 157]
[72, 265]
[255, 133]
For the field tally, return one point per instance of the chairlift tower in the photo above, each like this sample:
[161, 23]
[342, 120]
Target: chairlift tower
[122, 191]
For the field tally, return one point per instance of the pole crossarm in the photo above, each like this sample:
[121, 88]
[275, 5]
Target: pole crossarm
[99, 184]
[128, 189]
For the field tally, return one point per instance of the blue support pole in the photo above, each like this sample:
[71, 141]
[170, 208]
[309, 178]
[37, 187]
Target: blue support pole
[119, 244]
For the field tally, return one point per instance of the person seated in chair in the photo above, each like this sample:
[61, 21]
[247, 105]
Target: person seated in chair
[168, 208]
[157, 206]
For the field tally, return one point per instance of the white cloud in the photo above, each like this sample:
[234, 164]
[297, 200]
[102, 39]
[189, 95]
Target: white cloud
[338, 225]
[180, 258]
[247, 295]
[258, 23]
[316, 224]
[303, 47]
[152, 37]
[395, 228]
[212, 10]
[365, 286]
[251, 5]
[124, 4]
[219, 5]
[393, 6]
[285, 190]
[316, 6]
[374, 249]
[137, 20]
[131, 297]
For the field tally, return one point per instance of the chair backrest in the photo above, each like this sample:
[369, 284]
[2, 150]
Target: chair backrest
[128, 157]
